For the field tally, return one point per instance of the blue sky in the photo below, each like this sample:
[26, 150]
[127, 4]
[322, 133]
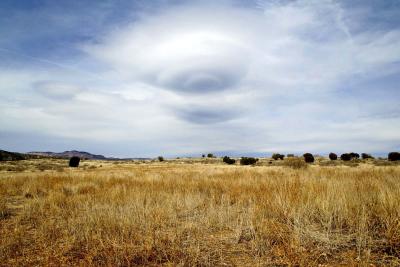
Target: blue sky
[148, 78]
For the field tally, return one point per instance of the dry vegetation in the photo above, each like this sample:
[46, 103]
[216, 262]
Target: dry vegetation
[184, 212]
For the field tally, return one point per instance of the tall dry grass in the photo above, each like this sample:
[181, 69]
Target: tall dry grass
[195, 214]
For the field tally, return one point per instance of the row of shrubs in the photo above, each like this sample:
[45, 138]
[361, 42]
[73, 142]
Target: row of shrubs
[392, 156]
[243, 160]
[309, 158]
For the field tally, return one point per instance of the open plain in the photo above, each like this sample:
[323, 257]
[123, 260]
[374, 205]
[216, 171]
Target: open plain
[189, 212]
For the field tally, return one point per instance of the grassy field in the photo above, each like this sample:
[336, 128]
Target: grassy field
[199, 212]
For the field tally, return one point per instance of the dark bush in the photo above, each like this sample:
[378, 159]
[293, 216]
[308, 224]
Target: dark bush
[308, 157]
[332, 156]
[345, 157]
[160, 158]
[228, 160]
[74, 162]
[277, 156]
[354, 155]
[203, 156]
[248, 161]
[366, 156]
[210, 155]
[394, 156]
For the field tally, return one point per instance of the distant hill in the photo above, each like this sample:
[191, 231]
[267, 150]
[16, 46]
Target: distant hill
[11, 156]
[6, 155]
[68, 154]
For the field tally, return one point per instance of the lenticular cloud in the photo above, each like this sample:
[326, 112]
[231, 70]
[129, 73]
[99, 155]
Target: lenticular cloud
[188, 53]
[243, 56]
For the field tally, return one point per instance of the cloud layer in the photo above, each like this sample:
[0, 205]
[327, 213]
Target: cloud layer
[194, 77]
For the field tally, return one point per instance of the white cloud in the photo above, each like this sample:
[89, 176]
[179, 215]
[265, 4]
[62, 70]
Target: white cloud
[214, 77]
[57, 90]
[209, 48]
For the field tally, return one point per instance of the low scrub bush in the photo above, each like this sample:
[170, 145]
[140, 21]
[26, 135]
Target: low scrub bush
[366, 156]
[277, 156]
[394, 156]
[74, 162]
[354, 155]
[308, 157]
[345, 157]
[248, 161]
[228, 160]
[332, 156]
[349, 156]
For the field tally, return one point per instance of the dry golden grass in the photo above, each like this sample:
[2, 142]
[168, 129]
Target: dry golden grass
[172, 213]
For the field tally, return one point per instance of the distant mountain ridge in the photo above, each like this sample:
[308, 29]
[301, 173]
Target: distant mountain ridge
[10, 156]
[6, 155]
[68, 154]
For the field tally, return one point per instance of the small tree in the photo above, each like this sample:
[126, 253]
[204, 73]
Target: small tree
[366, 156]
[394, 156]
[332, 156]
[308, 157]
[345, 157]
[210, 155]
[228, 160]
[248, 161]
[203, 156]
[160, 158]
[354, 155]
[74, 162]
[277, 156]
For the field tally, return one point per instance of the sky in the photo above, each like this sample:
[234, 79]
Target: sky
[173, 78]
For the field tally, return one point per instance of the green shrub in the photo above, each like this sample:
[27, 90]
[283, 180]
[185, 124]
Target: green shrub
[349, 156]
[366, 156]
[277, 156]
[228, 160]
[354, 155]
[248, 161]
[394, 156]
[345, 157]
[160, 158]
[74, 162]
[308, 157]
[332, 156]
